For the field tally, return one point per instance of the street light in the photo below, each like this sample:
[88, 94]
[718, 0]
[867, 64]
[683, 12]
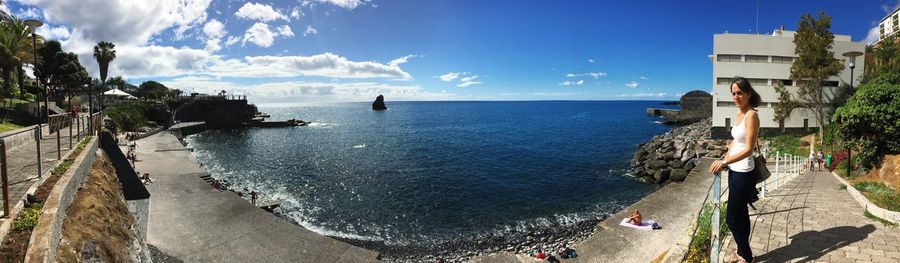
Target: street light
[33, 24]
[852, 59]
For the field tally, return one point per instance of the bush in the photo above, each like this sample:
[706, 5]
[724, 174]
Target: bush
[28, 218]
[700, 244]
[868, 121]
[880, 194]
[133, 115]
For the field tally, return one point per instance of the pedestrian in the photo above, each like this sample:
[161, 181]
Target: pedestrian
[739, 162]
[253, 197]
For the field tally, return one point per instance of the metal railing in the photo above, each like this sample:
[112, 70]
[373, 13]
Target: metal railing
[792, 165]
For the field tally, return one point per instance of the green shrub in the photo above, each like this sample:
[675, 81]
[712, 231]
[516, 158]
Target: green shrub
[880, 194]
[700, 244]
[28, 218]
[868, 121]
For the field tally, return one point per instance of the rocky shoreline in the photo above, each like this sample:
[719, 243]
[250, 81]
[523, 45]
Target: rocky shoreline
[671, 156]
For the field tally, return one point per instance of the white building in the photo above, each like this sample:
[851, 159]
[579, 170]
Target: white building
[890, 25]
[764, 60]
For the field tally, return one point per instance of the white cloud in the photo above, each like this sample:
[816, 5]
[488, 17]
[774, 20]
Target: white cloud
[594, 75]
[571, 83]
[285, 31]
[213, 33]
[260, 35]
[261, 12]
[296, 13]
[632, 84]
[397, 61]
[449, 76]
[57, 33]
[348, 4]
[310, 31]
[643, 95]
[298, 91]
[590, 60]
[28, 13]
[323, 65]
[232, 40]
[644, 78]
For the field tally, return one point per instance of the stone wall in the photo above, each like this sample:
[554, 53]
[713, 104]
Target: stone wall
[671, 156]
[47, 233]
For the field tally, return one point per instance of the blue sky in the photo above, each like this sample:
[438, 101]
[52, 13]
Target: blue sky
[352, 50]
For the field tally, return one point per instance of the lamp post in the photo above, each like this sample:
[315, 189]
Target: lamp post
[852, 60]
[33, 24]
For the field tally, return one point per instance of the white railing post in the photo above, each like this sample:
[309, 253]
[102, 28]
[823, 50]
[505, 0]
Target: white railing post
[777, 173]
[714, 233]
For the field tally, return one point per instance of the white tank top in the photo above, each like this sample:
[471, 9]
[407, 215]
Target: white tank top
[739, 133]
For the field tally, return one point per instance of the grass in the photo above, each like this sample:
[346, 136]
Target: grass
[28, 218]
[876, 218]
[789, 144]
[700, 244]
[880, 194]
[9, 126]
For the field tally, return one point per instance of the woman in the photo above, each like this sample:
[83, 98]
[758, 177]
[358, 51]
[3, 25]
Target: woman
[739, 162]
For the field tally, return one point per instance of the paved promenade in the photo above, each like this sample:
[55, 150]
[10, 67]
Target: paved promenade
[191, 220]
[810, 219]
[22, 167]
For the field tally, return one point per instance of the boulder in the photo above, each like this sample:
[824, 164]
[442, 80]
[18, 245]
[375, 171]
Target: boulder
[661, 176]
[379, 103]
[676, 164]
[658, 164]
[678, 175]
[689, 166]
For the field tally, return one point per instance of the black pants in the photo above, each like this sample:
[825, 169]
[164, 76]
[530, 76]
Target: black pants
[740, 188]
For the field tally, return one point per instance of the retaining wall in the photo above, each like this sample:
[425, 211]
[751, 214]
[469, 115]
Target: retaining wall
[47, 233]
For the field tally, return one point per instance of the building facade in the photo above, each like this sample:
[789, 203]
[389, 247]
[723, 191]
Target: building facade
[764, 60]
[889, 25]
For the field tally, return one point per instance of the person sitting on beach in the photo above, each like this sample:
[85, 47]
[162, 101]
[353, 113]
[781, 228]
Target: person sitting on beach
[146, 179]
[635, 218]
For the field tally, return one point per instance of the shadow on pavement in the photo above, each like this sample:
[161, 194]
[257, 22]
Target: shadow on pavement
[811, 245]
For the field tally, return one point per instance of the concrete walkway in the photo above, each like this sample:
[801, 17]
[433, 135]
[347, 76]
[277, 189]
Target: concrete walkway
[191, 220]
[673, 207]
[22, 163]
[812, 219]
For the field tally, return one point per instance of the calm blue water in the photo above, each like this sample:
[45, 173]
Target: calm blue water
[427, 173]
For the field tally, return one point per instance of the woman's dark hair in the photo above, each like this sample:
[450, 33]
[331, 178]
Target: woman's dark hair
[744, 85]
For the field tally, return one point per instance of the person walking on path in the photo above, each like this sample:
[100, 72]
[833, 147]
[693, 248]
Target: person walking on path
[738, 161]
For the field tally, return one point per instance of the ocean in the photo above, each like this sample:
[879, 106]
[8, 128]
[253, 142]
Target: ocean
[425, 177]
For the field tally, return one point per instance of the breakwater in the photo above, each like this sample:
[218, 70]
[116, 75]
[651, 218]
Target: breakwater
[670, 157]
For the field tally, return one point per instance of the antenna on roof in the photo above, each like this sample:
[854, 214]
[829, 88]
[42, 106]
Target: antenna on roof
[757, 17]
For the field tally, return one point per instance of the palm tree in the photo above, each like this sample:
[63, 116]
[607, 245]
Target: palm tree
[104, 52]
[15, 47]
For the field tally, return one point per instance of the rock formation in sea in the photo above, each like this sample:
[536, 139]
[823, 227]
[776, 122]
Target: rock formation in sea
[379, 103]
[671, 156]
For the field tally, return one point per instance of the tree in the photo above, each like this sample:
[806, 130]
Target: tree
[814, 64]
[15, 47]
[868, 121]
[104, 52]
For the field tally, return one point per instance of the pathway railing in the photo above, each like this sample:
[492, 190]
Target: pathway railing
[786, 167]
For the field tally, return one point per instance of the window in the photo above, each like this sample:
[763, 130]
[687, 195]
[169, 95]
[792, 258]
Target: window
[758, 59]
[759, 82]
[782, 60]
[729, 58]
[723, 81]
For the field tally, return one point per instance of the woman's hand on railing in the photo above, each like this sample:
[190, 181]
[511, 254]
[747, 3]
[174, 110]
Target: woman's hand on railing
[717, 166]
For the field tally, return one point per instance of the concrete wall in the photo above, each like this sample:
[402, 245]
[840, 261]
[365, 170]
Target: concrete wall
[47, 233]
[780, 45]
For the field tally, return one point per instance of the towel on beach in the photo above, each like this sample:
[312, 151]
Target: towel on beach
[645, 224]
